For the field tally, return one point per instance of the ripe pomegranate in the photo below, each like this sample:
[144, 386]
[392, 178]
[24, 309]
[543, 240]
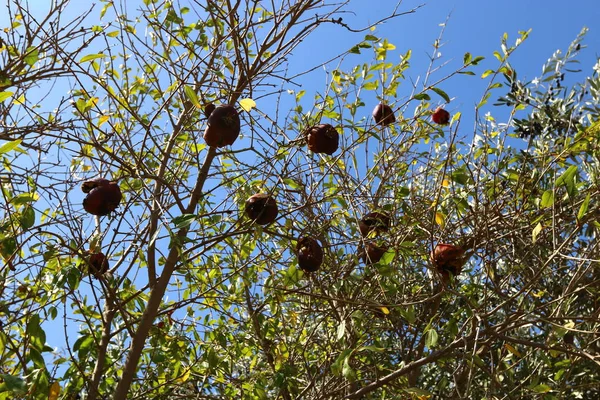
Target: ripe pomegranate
[372, 253]
[323, 138]
[262, 208]
[103, 196]
[383, 114]
[97, 264]
[310, 254]
[223, 126]
[440, 116]
[208, 109]
[87, 186]
[448, 260]
[374, 222]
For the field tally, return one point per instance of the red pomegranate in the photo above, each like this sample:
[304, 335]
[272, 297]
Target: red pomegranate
[310, 254]
[448, 260]
[223, 126]
[103, 196]
[374, 222]
[98, 264]
[383, 114]
[323, 138]
[261, 208]
[372, 253]
[440, 116]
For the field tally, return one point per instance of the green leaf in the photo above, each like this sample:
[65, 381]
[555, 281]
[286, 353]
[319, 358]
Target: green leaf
[5, 95]
[583, 209]
[477, 59]
[9, 146]
[387, 257]
[486, 73]
[27, 217]
[14, 383]
[184, 220]
[567, 179]
[442, 94]
[467, 59]
[347, 370]
[91, 57]
[354, 50]
[431, 338]
[24, 198]
[547, 199]
[191, 95]
[32, 55]
[541, 388]
[422, 96]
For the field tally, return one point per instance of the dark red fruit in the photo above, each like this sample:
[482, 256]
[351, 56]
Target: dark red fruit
[383, 114]
[223, 126]
[103, 197]
[208, 109]
[98, 264]
[448, 260]
[374, 222]
[310, 254]
[440, 116]
[373, 253]
[262, 208]
[93, 183]
[323, 138]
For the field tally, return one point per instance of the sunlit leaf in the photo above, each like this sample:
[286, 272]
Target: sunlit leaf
[247, 104]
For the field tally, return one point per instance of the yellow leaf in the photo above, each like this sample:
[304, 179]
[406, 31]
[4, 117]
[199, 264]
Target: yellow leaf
[54, 391]
[385, 310]
[512, 350]
[440, 218]
[102, 119]
[445, 183]
[185, 376]
[247, 104]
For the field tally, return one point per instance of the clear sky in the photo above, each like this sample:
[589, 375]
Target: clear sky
[474, 26]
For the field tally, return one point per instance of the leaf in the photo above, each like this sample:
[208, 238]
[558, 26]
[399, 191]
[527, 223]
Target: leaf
[547, 199]
[440, 219]
[191, 95]
[385, 310]
[567, 179]
[431, 338]
[32, 55]
[486, 73]
[341, 330]
[54, 391]
[442, 94]
[91, 57]
[347, 370]
[541, 388]
[513, 350]
[9, 146]
[27, 217]
[467, 58]
[387, 257]
[184, 220]
[247, 104]
[536, 231]
[422, 96]
[5, 95]
[13, 383]
[583, 209]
